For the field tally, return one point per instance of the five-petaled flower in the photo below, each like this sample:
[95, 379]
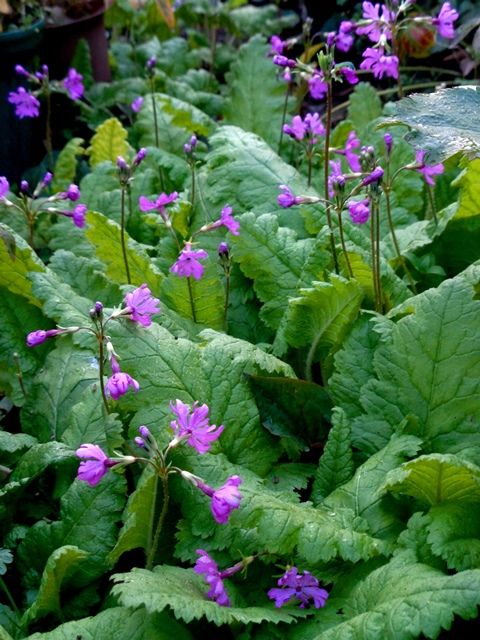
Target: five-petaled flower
[303, 587]
[119, 382]
[206, 566]
[227, 220]
[140, 305]
[26, 104]
[429, 171]
[444, 21]
[188, 262]
[95, 463]
[192, 425]
[359, 211]
[159, 204]
[73, 83]
[380, 63]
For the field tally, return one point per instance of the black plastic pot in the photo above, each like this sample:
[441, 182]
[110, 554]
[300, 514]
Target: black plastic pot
[21, 143]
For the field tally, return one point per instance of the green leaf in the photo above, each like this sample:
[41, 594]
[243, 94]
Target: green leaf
[468, 181]
[321, 315]
[277, 262]
[109, 142]
[415, 376]
[136, 532]
[400, 600]
[365, 106]
[177, 121]
[336, 464]
[66, 164]
[207, 293]
[185, 593]
[57, 387]
[60, 565]
[436, 478]
[104, 235]
[38, 458]
[15, 263]
[256, 95]
[119, 623]
[454, 534]
[82, 62]
[88, 520]
[6, 557]
[442, 123]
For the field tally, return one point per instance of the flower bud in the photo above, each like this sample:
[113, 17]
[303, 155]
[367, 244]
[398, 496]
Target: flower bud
[387, 138]
[122, 164]
[24, 186]
[140, 156]
[144, 431]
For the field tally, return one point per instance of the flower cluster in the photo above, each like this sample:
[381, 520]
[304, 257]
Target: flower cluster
[309, 128]
[26, 103]
[303, 587]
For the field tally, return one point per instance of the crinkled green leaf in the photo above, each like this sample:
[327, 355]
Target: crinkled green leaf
[336, 464]
[454, 535]
[255, 94]
[15, 263]
[60, 565]
[441, 122]
[109, 142]
[436, 478]
[66, 164]
[185, 593]
[365, 106]
[119, 623]
[398, 601]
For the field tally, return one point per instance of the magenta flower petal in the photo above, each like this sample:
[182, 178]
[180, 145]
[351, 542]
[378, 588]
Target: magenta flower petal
[119, 383]
[444, 21]
[226, 499]
[137, 104]
[303, 587]
[142, 305]
[73, 83]
[428, 171]
[193, 425]
[229, 221]
[95, 463]
[206, 566]
[4, 186]
[359, 211]
[26, 104]
[188, 263]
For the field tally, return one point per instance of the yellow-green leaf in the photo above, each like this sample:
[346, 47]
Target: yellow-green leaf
[109, 142]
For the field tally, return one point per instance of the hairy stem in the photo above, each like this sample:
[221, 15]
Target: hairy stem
[192, 301]
[154, 107]
[400, 257]
[101, 370]
[431, 199]
[122, 235]
[284, 116]
[227, 297]
[48, 132]
[153, 549]
[344, 248]
[328, 127]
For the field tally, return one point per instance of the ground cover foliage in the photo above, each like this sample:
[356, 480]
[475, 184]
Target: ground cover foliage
[347, 383]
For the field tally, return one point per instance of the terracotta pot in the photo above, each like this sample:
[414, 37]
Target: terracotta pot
[61, 40]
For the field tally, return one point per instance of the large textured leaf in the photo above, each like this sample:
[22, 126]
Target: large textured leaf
[256, 95]
[277, 262]
[109, 142]
[119, 623]
[15, 263]
[365, 106]
[60, 565]
[104, 235]
[398, 601]
[57, 387]
[177, 120]
[444, 122]
[88, 520]
[185, 593]
[336, 464]
[428, 369]
[66, 164]
[454, 534]
[436, 478]
[322, 314]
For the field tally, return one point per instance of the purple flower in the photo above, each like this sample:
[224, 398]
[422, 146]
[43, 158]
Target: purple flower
[223, 250]
[349, 74]
[378, 26]
[141, 305]
[311, 126]
[287, 199]
[317, 86]
[227, 220]
[73, 83]
[387, 138]
[4, 186]
[226, 499]
[359, 211]
[375, 176]
[77, 215]
[72, 193]
[159, 204]
[296, 129]
[444, 21]
[144, 431]
[117, 385]
[188, 263]
[95, 463]
[336, 177]
[344, 39]
[140, 442]
[207, 567]
[379, 63]
[26, 104]
[428, 171]
[190, 146]
[277, 45]
[122, 164]
[282, 61]
[21, 71]
[151, 62]
[303, 587]
[46, 180]
[24, 186]
[192, 424]
[140, 157]
[137, 104]
[38, 337]
[352, 143]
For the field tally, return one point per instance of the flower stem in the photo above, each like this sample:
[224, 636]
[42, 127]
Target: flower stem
[309, 161]
[328, 127]
[284, 116]
[154, 108]
[6, 591]
[101, 370]
[122, 235]
[344, 248]
[154, 546]
[48, 131]
[192, 301]
[377, 255]
[192, 194]
[431, 199]
[227, 297]
[372, 248]
[400, 257]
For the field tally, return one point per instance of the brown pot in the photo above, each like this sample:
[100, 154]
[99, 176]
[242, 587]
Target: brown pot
[61, 40]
